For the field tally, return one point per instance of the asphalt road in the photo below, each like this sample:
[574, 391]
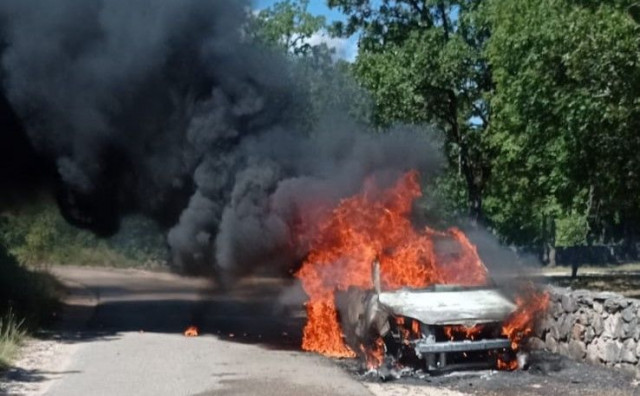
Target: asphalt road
[124, 332]
[121, 334]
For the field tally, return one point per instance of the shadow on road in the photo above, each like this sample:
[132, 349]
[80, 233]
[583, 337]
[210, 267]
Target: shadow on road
[253, 311]
[137, 301]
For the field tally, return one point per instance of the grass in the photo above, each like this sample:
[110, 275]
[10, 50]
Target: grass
[38, 236]
[12, 333]
[621, 278]
[28, 300]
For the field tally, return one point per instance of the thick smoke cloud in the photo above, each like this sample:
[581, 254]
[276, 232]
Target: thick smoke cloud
[162, 107]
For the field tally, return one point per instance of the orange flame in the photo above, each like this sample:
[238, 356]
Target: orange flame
[375, 354]
[375, 224]
[415, 328]
[453, 332]
[410, 332]
[530, 305]
[191, 331]
[507, 365]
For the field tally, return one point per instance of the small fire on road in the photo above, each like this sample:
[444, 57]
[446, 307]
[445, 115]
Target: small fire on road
[191, 331]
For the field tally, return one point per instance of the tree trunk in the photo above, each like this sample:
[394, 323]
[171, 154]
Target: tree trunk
[629, 243]
[549, 241]
[552, 255]
[475, 204]
[474, 189]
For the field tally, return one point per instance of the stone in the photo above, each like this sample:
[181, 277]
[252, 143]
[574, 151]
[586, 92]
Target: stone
[609, 351]
[535, 343]
[554, 330]
[583, 317]
[556, 309]
[628, 368]
[589, 334]
[585, 299]
[606, 296]
[629, 313]
[598, 307]
[613, 327]
[551, 344]
[629, 329]
[566, 326]
[628, 353]
[569, 304]
[578, 331]
[592, 352]
[598, 324]
[563, 349]
[578, 349]
[542, 326]
[557, 294]
[613, 305]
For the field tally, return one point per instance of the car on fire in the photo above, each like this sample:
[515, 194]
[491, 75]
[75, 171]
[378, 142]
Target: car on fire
[437, 328]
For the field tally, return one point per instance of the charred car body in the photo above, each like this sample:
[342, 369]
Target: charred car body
[438, 328]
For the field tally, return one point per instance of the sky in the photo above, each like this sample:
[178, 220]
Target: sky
[346, 49]
[316, 7]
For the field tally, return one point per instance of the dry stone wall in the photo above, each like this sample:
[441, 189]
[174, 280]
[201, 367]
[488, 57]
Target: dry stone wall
[599, 327]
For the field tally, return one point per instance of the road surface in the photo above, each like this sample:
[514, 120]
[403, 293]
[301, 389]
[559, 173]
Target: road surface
[121, 334]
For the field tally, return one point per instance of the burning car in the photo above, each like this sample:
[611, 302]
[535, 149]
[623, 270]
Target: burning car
[437, 328]
[428, 297]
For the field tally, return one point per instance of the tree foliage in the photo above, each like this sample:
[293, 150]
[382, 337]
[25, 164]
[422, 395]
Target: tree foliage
[423, 62]
[565, 116]
[324, 80]
[289, 26]
[538, 101]
[38, 236]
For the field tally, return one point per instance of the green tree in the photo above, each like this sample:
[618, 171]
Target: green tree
[324, 81]
[37, 235]
[423, 62]
[287, 25]
[565, 119]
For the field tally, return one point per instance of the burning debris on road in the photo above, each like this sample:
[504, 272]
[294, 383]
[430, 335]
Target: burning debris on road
[191, 331]
[427, 299]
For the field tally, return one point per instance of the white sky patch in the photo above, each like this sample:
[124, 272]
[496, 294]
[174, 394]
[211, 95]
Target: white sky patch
[345, 48]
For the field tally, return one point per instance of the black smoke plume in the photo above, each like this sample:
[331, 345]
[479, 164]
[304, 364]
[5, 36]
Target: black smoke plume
[165, 107]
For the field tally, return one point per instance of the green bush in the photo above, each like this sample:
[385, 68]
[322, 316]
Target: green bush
[28, 299]
[29, 294]
[11, 335]
[38, 236]
[571, 230]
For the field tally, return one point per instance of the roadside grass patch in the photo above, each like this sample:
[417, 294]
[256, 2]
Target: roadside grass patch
[28, 300]
[12, 334]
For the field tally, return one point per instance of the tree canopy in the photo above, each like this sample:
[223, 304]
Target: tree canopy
[537, 100]
[424, 62]
[565, 119]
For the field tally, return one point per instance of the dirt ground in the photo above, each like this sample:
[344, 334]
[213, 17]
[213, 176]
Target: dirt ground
[623, 279]
[548, 374]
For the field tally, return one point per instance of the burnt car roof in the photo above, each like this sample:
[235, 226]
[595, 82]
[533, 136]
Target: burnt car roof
[448, 305]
